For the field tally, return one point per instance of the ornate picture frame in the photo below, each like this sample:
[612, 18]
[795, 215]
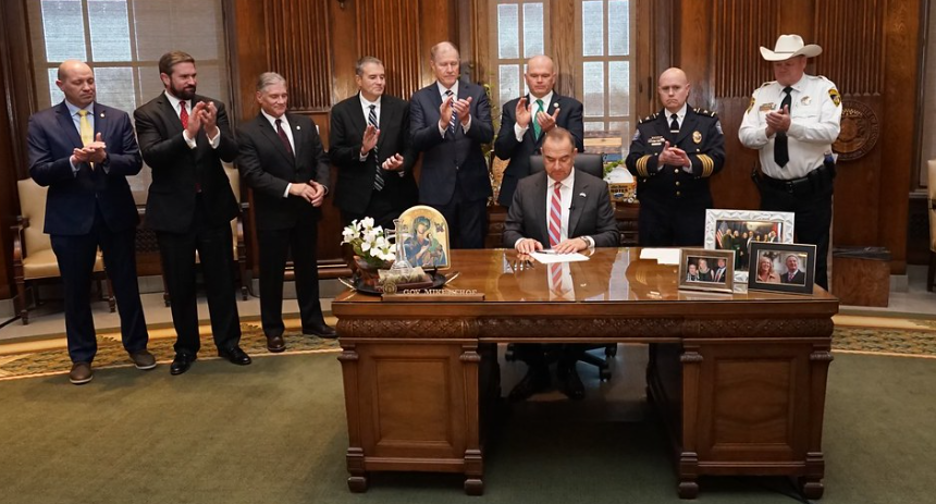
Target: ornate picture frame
[424, 235]
[779, 267]
[745, 227]
[706, 270]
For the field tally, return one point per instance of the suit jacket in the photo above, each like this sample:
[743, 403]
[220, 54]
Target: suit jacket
[177, 169]
[658, 186]
[507, 147]
[268, 168]
[73, 197]
[454, 157]
[799, 278]
[355, 177]
[590, 215]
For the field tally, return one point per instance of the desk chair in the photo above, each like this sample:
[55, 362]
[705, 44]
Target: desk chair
[592, 164]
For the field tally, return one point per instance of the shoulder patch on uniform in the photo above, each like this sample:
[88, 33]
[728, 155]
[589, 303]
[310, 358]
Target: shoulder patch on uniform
[636, 135]
[753, 101]
[836, 97]
[718, 127]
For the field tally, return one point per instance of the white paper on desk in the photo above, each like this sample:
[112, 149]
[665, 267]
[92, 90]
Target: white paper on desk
[549, 258]
[662, 255]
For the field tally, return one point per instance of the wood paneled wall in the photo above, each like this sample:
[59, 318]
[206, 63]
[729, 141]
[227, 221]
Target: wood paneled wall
[871, 50]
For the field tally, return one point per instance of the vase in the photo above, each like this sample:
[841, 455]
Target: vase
[368, 271]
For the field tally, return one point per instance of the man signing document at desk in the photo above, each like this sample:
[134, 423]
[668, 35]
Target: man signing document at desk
[566, 211]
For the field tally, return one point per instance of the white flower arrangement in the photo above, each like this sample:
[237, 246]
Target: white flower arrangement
[370, 242]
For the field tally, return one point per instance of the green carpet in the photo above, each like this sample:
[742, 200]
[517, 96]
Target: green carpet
[274, 432]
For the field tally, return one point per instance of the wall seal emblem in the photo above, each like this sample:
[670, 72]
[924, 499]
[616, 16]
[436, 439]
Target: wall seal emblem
[860, 131]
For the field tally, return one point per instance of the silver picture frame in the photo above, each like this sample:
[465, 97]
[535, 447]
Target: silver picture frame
[719, 221]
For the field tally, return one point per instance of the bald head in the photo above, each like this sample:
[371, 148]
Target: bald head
[540, 75]
[443, 57]
[673, 87]
[76, 80]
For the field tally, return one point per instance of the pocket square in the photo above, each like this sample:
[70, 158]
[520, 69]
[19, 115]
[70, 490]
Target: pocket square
[582, 194]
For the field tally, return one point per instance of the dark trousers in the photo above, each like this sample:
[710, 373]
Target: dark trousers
[811, 224]
[467, 220]
[275, 246]
[380, 208]
[214, 245]
[671, 225]
[76, 256]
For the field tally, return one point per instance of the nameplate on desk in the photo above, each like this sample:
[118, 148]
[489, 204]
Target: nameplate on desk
[434, 296]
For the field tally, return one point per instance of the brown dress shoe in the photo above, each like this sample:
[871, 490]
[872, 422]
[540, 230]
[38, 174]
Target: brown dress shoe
[276, 344]
[143, 360]
[80, 373]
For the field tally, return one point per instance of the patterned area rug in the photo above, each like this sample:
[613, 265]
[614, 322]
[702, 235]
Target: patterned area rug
[111, 353]
[853, 334]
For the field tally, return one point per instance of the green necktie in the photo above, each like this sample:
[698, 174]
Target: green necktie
[536, 126]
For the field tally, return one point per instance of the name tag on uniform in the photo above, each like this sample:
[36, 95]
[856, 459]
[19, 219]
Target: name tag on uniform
[767, 107]
[656, 140]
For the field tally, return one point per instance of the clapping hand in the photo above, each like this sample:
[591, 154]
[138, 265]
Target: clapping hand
[524, 116]
[778, 120]
[673, 156]
[210, 119]
[546, 121]
[371, 134]
[94, 152]
[463, 109]
[393, 163]
[196, 119]
[445, 113]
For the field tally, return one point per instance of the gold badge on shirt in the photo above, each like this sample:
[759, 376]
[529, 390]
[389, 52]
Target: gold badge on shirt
[697, 137]
[806, 100]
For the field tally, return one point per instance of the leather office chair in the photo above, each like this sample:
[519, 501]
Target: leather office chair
[239, 248]
[931, 205]
[592, 164]
[33, 258]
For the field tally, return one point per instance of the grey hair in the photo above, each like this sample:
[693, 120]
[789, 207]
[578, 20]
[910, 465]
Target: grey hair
[359, 65]
[441, 45]
[267, 79]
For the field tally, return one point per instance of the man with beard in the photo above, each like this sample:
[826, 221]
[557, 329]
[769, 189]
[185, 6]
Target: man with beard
[183, 138]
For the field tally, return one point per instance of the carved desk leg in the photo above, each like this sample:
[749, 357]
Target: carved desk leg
[691, 361]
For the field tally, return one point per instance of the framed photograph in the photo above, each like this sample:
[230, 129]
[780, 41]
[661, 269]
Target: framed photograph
[778, 267]
[738, 229]
[706, 270]
[424, 234]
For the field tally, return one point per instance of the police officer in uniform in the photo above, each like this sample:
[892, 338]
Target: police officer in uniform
[673, 154]
[793, 122]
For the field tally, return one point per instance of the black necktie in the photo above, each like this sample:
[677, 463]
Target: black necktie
[781, 153]
[372, 120]
[674, 125]
[283, 137]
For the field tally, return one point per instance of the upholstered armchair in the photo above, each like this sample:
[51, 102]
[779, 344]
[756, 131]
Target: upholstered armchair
[33, 258]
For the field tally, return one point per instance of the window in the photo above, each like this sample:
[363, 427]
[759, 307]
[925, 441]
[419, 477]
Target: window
[604, 74]
[122, 41]
[521, 34]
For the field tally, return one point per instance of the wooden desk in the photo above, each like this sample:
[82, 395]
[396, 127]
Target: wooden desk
[739, 380]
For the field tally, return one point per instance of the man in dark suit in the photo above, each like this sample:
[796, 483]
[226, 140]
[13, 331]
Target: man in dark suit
[719, 275]
[567, 211]
[793, 274]
[283, 160]
[672, 155]
[449, 120]
[83, 152]
[370, 145]
[527, 119]
[183, 138]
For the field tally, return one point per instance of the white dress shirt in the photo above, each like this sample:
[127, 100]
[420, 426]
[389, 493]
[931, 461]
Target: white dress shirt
[191, 142]
[454, 89]
[286, 129]
[815, 122]
[534, 108]
[365, 107]
[565, 204]
[680, 116]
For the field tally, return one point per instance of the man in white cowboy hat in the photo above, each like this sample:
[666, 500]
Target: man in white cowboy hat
[793, 121]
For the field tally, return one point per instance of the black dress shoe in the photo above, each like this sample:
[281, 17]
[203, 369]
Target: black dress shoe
[570, 383]
[322, 331]
[181, 363]
[235, 355]
[276, 344]
[536, 380]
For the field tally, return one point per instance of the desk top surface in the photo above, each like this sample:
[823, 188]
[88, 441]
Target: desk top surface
[611, 276]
